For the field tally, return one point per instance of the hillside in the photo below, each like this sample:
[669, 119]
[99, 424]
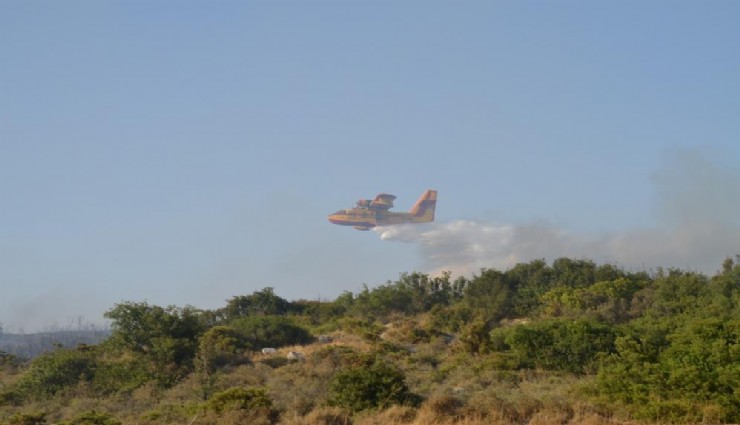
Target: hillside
[568, 342]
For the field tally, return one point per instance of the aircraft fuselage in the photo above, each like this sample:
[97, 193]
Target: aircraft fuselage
[365, 216]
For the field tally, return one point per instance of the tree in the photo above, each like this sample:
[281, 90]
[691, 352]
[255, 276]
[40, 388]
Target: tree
[531, 280]
[383, 300]
[217, 347]
[320, 312]
[262, 303]
[573, 273]
[427, 291]
[491, 294]
[167, 337]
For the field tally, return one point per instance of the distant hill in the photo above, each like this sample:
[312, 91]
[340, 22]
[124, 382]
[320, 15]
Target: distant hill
[31, 345]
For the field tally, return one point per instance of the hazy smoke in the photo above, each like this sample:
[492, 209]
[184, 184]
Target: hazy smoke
[697, 204]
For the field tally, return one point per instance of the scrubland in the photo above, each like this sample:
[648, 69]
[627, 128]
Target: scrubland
[570, 342]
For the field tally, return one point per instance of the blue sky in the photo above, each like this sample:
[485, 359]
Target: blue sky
[184, 152]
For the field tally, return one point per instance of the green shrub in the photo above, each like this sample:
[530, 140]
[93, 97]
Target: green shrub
[475, 338]
[54, 371]
[337, 357]
[698, 369]
[559, 344]
[120, 375]
[166, 337]
[449, 319]
[270, 331]
[259, 303]
[375, 384]
[239, 398]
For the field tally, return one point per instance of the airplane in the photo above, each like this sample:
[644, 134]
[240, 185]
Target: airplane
[370, 213]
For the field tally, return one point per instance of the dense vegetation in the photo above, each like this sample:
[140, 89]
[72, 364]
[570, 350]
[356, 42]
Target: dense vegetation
[570, 341]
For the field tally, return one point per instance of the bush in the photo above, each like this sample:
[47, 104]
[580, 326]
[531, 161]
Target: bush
[54, 371]
[558, 344]
[375, 384]
[260, 303]
[239, 398]
[166, 337]
[698, 370]
[120, 375]
[270, 331]
[218, 347]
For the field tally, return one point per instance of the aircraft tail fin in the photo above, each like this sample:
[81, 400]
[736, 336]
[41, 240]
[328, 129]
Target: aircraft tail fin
[423, 209]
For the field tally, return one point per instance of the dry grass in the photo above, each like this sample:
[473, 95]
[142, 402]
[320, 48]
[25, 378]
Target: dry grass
[392, 415]
[339, 339]
[458, 388]
[438, 412]
[322, 416]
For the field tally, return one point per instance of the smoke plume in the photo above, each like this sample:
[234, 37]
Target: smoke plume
[697, 226]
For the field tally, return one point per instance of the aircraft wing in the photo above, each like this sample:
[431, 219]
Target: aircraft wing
[383, 201]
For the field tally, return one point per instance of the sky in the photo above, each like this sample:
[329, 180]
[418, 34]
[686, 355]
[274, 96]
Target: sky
[182, 153]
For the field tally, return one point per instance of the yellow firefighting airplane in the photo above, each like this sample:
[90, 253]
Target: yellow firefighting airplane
[370, 213]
